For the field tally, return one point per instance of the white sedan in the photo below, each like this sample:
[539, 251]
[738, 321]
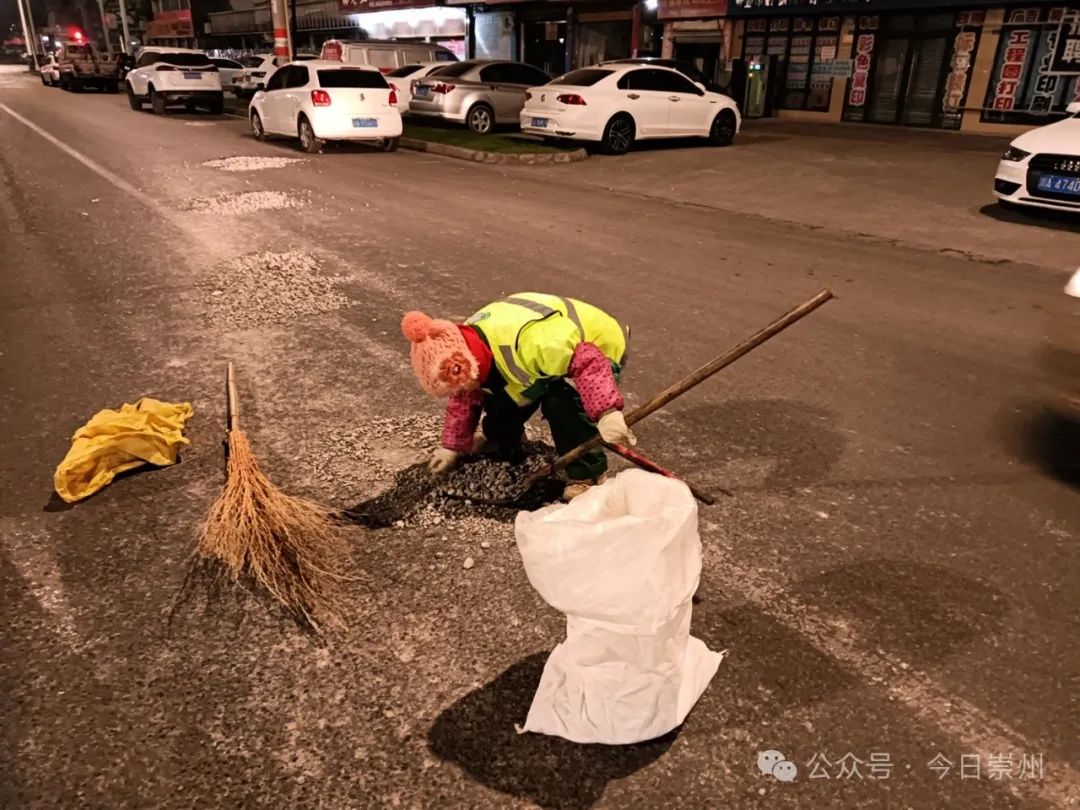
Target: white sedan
[327, 101]
[616, 105]
[1041, 168]
[402, 78]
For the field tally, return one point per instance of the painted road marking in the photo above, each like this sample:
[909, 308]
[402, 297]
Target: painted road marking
[90, 163]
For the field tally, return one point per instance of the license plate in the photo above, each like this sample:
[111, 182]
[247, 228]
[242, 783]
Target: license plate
[421, 90]
[365, 122]
[1059, 184]
[192, 75]
[539, 122]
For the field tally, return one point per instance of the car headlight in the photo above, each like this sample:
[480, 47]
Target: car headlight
[1073, 287]
[1014, 154]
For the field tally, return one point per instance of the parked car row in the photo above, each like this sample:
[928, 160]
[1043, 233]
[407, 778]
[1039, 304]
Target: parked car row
[360, 91]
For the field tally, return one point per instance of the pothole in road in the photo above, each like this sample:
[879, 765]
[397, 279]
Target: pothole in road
[268, 288]
[244, 202]
[249, 163]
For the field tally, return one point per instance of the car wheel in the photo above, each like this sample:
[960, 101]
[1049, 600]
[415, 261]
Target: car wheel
[481, 119]
[722, 131]
[133, 100]
[43, 80]
[390, 144]
[157, 102]
[308, 142]
[217, 105]
[113, 87]
[257, 131]
[619, 134]
[75, 85]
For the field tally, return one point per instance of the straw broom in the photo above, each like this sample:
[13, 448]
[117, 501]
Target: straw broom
[292, 547]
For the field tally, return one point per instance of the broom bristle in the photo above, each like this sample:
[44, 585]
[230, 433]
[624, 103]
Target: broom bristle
[291, 546]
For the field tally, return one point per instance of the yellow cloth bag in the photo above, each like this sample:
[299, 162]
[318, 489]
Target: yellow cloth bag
[148, 432]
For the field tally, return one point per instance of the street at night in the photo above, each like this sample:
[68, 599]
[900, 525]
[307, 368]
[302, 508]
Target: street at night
[890, 563]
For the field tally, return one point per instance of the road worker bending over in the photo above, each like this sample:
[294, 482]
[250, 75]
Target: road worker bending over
[524, 352]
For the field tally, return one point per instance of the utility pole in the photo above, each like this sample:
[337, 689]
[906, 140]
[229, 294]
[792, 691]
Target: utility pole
[105, 28]
[279, 16]
[124, 23]
[30, 44]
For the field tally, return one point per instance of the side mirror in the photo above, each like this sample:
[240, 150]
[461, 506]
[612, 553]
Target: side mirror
[1074, 108]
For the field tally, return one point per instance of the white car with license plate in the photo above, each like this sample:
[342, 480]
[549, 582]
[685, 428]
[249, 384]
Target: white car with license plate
[322, 101]
[616, 104]
[164, 76]
[228, 69]
[1041, 168]
[403, 77]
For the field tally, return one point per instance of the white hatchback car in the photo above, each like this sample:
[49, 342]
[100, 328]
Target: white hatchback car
[163, 76]
[616, 105]
[1041, 168]
[327, 101]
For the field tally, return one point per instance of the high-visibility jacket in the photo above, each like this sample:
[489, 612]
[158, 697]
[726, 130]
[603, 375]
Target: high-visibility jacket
[533, 336]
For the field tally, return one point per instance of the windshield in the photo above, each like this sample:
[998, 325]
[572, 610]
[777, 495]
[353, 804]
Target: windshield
[352, 78]
[402, 72]
[185, 59]
[585, 77]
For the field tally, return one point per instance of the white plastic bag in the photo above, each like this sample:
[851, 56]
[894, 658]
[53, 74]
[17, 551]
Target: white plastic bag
[622, 562]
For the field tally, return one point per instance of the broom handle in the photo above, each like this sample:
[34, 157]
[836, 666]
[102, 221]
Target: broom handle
[634, 457]
[694, 378]
[232, 400]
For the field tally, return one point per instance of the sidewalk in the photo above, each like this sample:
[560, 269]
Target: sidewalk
[919, 186]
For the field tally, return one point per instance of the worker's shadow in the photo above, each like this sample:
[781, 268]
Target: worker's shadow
[478, 735]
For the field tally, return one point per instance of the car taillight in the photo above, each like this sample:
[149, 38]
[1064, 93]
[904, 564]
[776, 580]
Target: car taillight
[320, 98]
[258, 74]
[163, 68]
[393, 95]
[442, 87]
[571, 98]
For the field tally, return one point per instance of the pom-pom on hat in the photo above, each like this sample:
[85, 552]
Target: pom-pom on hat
[440, 355]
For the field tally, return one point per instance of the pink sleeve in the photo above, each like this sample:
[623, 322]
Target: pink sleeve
[591, 372]
[462, 417]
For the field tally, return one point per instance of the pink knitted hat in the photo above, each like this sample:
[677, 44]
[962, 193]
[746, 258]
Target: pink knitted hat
[440, 356]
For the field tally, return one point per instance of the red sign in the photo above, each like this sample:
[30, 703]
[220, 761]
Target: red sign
[691, 9]
[864, 47]
[1012, 67]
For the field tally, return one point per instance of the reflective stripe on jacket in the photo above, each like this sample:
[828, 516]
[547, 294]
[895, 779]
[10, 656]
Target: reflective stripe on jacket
[533, 336]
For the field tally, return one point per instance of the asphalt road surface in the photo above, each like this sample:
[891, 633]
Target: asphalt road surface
[894, 574]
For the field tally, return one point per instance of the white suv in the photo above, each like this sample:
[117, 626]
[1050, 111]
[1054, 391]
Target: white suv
[163, 76]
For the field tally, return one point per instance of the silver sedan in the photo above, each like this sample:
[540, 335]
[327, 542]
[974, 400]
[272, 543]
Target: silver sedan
[479, 93]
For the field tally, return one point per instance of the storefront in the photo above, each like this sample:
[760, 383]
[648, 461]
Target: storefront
[696, 33]
[966, 66]
[1027, 84]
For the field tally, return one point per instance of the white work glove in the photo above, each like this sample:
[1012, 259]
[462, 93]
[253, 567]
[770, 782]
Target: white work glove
[613, 429]
[442, 460]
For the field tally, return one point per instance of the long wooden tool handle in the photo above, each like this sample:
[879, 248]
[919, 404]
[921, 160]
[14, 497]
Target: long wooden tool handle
[634, 457]
[697, 377]
[232, 400]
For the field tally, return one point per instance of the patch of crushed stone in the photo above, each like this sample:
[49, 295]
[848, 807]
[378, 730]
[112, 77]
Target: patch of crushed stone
[198, 123]
[250, 163]
[418, 500]
[244, 202]
[267, 288]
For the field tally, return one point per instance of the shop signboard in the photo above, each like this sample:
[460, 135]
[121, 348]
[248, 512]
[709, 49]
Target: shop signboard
[1017, 48]
[689, 9]
[864, 48]
[1065, 50]
[360, 6]
[956, 82]
[837, 67]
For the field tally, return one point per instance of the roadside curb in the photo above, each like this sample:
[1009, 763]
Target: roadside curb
[479, 156]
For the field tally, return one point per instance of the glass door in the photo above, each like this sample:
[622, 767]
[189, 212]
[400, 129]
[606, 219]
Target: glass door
[921, 101]
[887, 88]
